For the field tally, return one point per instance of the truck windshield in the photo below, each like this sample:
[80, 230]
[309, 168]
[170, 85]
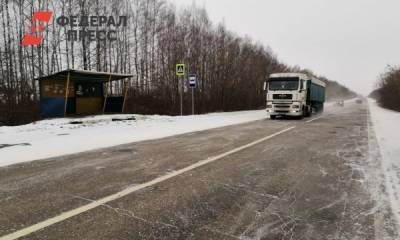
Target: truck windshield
[283, 84]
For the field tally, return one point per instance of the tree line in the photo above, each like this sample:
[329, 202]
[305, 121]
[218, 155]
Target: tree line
[388, 92]
[231, 69]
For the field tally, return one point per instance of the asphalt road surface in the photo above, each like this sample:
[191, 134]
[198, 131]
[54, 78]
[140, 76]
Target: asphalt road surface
[316, 178]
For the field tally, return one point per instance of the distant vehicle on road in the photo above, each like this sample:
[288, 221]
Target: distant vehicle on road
[340, 103]
[294, 94]
[359, 101]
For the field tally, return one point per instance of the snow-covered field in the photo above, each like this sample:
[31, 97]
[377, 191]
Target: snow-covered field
[57, 137]
[387, 128]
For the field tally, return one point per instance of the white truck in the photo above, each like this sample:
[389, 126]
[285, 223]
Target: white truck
[294, 94]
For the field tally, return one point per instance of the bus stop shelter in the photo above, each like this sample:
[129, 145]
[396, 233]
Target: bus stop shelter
[80, 92]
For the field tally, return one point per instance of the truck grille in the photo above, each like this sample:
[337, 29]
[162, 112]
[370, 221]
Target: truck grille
[282, 106]
[282, 96]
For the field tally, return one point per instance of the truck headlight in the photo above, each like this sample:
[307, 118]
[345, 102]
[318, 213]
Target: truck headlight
[296, 106]
[269, 106]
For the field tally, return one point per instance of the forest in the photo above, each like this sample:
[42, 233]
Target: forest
[388, 88]
[231, 69]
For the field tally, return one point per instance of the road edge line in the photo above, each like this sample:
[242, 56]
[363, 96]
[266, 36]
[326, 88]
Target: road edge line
[314, 119]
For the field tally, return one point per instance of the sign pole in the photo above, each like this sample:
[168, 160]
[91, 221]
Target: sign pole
[192, 101]
[192, 79]
[181, 83]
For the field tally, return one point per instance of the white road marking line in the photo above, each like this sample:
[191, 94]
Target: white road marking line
[105, 200]
[314, 119]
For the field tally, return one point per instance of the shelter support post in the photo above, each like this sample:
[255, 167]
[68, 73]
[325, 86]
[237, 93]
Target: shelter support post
[106, 95]
[66, 95]
[125, 95]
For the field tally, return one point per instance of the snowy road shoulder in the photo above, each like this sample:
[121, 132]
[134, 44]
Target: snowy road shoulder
[386, 123]
[57, 137]
[387, 129]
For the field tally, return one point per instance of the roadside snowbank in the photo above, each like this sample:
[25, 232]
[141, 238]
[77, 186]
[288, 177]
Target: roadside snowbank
[57, 137]
[387, 128]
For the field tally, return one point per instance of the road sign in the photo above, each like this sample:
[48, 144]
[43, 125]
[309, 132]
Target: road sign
[180, 69]
[192, 80]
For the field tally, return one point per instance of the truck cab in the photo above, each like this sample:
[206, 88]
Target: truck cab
[294, 94]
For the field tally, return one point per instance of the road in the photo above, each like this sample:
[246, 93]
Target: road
[315, 178]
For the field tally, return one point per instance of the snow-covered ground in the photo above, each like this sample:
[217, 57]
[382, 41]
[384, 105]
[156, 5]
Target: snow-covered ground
[387, 128]
[57, 137]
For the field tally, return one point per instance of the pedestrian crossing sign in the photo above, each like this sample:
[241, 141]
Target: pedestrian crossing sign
[180, 69]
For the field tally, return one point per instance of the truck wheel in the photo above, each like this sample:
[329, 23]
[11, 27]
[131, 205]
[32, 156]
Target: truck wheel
[308, 112]
[272, 117]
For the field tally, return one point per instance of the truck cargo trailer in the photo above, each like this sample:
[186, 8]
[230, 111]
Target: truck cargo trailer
[294, 94]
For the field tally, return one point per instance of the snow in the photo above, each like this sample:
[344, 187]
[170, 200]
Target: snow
[57, 137]
[387, 128]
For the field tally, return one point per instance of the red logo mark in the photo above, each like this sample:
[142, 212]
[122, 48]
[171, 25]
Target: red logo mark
[32, 39]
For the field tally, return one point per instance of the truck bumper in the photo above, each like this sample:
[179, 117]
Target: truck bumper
[294, 113]
[285, 109]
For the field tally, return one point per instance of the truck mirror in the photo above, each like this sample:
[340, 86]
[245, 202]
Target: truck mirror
[265, 86]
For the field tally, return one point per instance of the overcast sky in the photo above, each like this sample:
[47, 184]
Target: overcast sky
[350, 41]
